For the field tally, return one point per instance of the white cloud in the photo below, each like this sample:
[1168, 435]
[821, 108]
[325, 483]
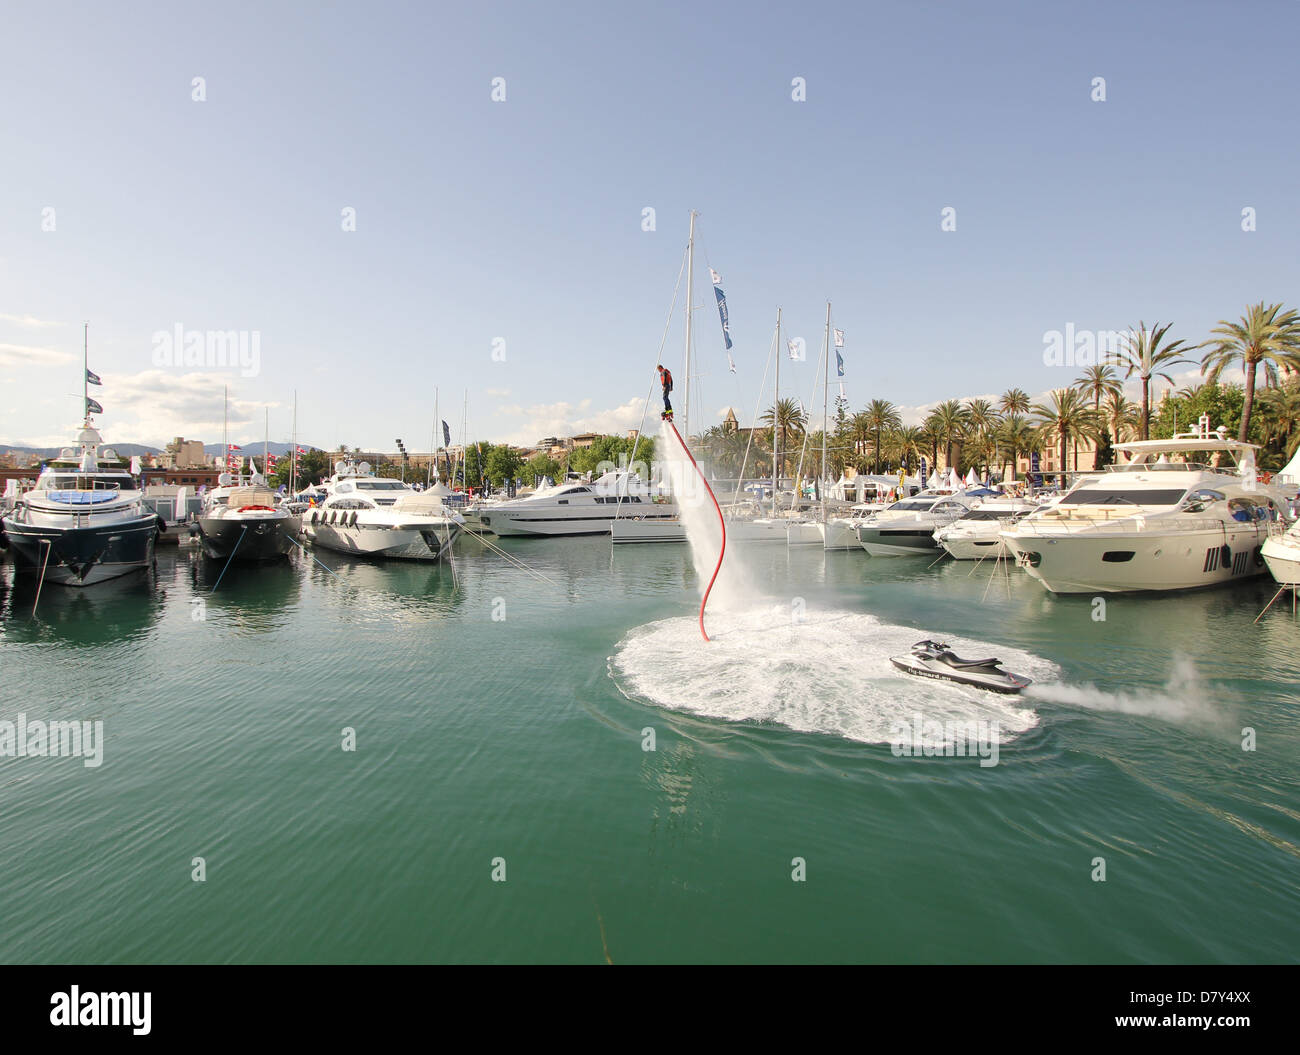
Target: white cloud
[27, 355]
[27, 320]
[499, 393]
[564, 419]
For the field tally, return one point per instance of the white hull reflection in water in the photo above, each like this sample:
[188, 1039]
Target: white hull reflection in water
[829, 673]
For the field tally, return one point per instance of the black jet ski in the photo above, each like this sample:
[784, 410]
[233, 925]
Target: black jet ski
[932, 659]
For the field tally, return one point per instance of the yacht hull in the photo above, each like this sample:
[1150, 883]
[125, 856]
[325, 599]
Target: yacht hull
[535, 524]
[974, 547]
[1128, 563]
[627, 529]
[249, 539]
[405, 543]
[897, 542]
[841, 534]
[84, 556]
[1282, 556]
[806, 534]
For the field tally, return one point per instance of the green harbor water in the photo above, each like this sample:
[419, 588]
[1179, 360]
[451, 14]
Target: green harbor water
[498, 729]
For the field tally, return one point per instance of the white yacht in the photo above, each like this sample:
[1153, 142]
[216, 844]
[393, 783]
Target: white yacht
[370, 516]
[906, 528]
[977, 534]
[841, 532]
[579, 508]
[243, 520]
[1282, 554]
[83, 522]
[1153, 523]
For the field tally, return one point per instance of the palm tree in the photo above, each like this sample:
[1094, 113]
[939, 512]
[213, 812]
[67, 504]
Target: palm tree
[1279, 412]
[786, 417]
[981, 420]
[1123, 417]
[1095, 382]
[1014, 434]
[1065, 417]
[1265, 336]
[950, 417]
[911, 441]
[882, 416]
[1146, 357]
[932, 433]
[1014, 401]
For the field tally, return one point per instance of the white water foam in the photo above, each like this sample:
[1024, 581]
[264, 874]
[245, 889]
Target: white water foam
[1182, 699]
[737, 587]
[829, 673]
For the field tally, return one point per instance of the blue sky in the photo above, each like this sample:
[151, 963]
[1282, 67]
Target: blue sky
[521, 220]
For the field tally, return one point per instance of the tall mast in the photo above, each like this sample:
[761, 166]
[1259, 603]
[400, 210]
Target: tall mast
[266, 440]
[225, 428]
[776, 419]
[293, 461]
[826, 388]
[85, 375]
[437, 424]
[690, 289]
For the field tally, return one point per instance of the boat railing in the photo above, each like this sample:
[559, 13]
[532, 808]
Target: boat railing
[1136, 523]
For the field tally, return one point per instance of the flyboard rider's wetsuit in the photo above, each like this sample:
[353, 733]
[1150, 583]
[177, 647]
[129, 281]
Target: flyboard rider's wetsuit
[666, 379]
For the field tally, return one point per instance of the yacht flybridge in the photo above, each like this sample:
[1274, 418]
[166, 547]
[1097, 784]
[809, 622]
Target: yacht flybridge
[1154, 523]
[370, 516]
[578, 508]
[85, 521]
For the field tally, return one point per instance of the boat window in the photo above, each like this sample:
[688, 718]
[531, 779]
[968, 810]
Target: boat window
[1118, 556]
[380, 485]
[907, 506]
[1110, 496]
[343, 488]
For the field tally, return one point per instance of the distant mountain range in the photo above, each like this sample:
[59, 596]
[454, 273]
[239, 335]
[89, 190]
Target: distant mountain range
[128, 450]
[255, 449]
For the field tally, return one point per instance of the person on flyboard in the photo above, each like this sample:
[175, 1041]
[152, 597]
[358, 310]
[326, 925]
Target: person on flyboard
[666, 379]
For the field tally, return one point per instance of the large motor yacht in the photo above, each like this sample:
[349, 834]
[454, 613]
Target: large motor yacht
[370, 516]
[906, 528]
[1282, 553]
[1154, 523]
[243, 520]
[977, 534]
[579, 508]
[84, 521]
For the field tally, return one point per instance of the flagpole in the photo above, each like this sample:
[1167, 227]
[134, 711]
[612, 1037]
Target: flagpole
[293, 465]
[85, 374]
[437, 420]
[826, 395]
[776, 419]
[690, 293]
[225, 428]
[266, 440]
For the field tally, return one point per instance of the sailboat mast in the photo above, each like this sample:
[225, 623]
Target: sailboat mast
[690, 305]
[266, 440]
[776, 419]
[293, 461]
[225, 428]
[437, 436]
[826, 389]
[85, 374]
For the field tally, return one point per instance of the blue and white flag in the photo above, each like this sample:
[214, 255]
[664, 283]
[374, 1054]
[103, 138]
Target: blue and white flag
[92, 407]
[722, 312]
[839, 338]
[93, 378]
[839, 364]
[446, 435]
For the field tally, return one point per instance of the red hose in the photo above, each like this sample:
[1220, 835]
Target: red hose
[721, 522]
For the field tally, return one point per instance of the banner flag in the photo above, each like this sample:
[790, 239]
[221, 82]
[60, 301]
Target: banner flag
[93, 378]
[93, 408]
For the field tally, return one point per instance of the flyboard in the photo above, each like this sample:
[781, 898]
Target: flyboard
[721, 522]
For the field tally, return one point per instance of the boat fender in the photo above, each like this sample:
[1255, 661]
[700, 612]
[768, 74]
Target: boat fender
[162, 524]
[1225, 555]
[1259, 556]
[352, 520]
[313, 516]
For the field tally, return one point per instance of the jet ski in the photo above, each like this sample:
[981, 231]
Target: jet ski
[933, 659]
